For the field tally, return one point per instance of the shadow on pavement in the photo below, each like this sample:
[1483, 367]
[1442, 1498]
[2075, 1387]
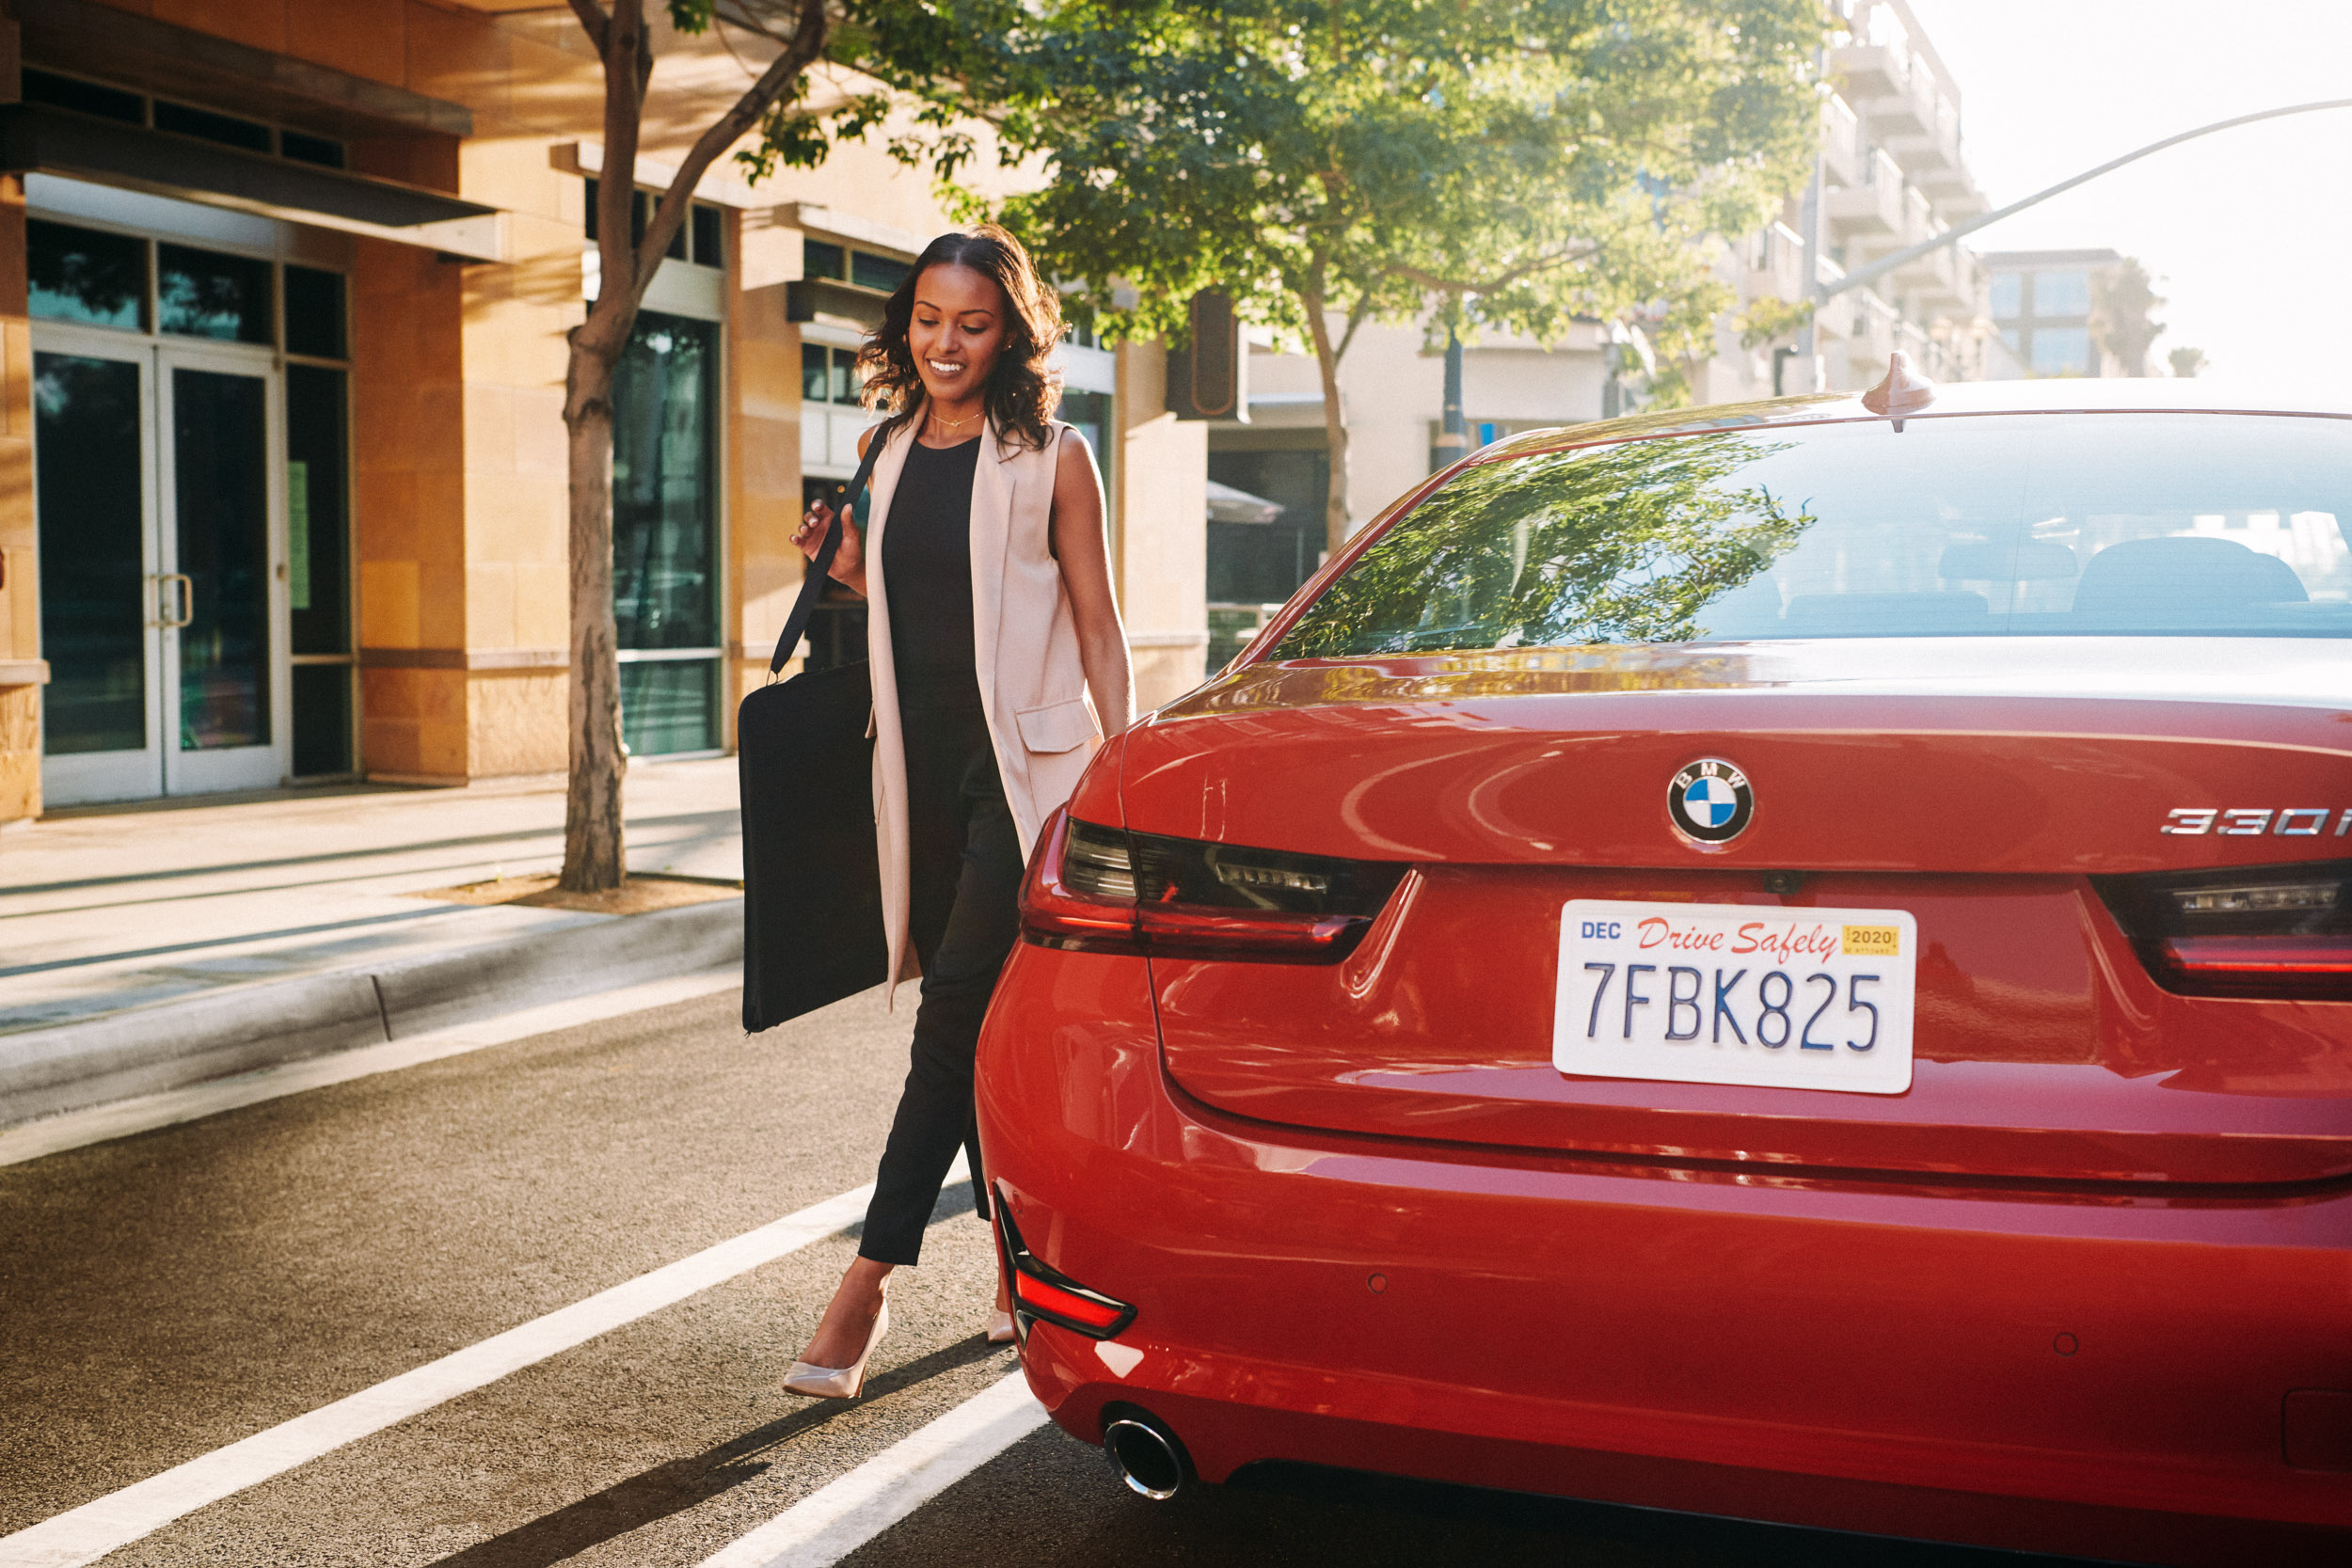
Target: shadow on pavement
[682, 1483]
[1050, 1501]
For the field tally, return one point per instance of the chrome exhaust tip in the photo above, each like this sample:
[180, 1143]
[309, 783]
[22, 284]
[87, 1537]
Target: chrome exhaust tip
[1146, 1456]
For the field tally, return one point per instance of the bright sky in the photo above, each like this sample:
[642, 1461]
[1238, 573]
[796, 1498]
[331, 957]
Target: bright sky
[2248, 231]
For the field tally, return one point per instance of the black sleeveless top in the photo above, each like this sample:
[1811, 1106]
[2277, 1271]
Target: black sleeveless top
[927, 561]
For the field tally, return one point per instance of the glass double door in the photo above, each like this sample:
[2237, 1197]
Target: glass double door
[164, 615]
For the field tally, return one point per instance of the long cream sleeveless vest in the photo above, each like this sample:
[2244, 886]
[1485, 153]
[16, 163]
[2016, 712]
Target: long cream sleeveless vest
[1032, 681]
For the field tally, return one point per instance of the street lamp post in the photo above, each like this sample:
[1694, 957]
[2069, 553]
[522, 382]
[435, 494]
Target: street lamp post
[1453, 436]
[1820, 292]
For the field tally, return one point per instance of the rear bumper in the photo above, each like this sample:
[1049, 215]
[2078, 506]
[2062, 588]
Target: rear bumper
[2075, 1372]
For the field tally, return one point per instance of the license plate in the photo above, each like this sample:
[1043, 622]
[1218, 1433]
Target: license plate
[1735, 993]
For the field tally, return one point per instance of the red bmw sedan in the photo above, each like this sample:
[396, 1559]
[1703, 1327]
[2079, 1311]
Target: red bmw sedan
[1762, 961]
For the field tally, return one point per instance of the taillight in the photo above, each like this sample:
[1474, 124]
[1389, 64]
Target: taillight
[2264, 930]
[1100, 889]
[1040, 1291]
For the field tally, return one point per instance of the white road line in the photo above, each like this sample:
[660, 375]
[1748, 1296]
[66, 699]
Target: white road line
[75, 1129]
[839, 1517]
[90, 1531]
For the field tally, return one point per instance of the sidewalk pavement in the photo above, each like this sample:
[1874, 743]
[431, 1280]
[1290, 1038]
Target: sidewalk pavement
[176, 908]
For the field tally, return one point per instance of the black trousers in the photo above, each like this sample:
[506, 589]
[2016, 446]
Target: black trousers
[962, 918]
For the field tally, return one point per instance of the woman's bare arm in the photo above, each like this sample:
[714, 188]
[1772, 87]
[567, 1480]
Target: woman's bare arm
[1082, 546]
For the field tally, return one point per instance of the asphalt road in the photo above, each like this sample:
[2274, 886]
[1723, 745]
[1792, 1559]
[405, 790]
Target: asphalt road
[164, 1295]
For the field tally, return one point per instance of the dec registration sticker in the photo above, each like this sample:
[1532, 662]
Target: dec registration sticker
[1735, 993]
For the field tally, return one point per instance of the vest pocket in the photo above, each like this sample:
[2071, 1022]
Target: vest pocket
[1055, 726]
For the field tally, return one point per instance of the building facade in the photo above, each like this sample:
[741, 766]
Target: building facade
[2071, 312]
[284, 291]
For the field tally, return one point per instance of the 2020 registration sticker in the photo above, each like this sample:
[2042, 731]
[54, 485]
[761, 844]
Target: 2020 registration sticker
[1737, 993]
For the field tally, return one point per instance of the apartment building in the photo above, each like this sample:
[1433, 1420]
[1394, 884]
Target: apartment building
[1892, 172]
[2063, 313]
[284, 286]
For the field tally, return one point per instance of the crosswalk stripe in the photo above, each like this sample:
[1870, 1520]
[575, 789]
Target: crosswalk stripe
[839, 1517]
[90, 1531]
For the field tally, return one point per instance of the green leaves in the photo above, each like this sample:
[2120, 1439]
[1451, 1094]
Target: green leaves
[1610, 545]
[1539, 159]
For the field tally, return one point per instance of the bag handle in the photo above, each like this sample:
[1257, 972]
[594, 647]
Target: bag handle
[820, 568]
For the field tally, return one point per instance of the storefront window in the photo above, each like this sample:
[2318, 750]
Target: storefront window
[86, 426]
[2062, 351]
[81, 274]
[318, 566]
[188, 587]
[880, 273]
[830, 375]
[1090, 413]
[665, 589]
[2061, 294]
[203, 293]
[314, 312]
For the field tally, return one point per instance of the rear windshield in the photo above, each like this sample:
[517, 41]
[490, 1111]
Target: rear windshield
[2010, 525]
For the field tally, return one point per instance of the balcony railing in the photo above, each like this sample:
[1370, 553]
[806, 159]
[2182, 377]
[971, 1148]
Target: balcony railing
[1872, 70]
[1841, 143]
[1875, 206]
[1873, 336]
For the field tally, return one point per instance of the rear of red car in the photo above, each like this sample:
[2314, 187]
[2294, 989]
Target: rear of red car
[1786, 970]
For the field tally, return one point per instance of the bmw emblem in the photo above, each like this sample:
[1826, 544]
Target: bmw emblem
[1710, 801]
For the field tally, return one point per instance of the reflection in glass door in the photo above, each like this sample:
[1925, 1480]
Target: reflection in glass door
[97, 575]
[218, 503]
[159, 604]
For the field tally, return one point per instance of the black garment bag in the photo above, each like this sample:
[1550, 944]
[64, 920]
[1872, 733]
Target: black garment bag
[812, 884]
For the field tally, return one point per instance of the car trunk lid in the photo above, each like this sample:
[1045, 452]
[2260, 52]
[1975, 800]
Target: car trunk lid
[1979, 799]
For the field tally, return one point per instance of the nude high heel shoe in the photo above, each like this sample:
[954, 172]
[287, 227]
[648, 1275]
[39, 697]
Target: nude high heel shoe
[1000, 1328]
[837, 1382]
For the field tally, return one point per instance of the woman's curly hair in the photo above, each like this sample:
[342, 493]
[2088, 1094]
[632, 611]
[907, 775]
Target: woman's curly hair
[1023, 388]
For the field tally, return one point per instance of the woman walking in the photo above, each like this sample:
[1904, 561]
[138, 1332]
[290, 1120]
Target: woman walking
[991, 626]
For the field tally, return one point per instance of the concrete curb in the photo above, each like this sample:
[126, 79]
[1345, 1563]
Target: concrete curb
[172, 1044]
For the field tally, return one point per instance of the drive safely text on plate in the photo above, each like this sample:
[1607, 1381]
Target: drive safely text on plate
[1735, 993]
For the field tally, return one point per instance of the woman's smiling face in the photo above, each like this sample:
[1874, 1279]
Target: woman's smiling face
[957, 331]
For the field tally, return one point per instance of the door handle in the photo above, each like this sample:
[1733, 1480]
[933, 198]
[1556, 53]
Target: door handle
[186, 597]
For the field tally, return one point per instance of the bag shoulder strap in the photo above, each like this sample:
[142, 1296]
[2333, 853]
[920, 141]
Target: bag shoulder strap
[819, 569]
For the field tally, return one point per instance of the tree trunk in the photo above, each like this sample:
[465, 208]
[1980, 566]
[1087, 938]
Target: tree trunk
[594, 857]
[1334, 417]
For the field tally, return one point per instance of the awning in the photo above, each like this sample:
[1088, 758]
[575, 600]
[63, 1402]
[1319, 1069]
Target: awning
[35, 138]
[1228, 505]
[111, 44]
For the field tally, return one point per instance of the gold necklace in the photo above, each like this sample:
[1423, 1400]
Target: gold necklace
[950, 426]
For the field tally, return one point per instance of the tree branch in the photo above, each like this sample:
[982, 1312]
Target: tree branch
[809, 41]
[1439, 284]
[616, 187]
[592, 22]
[1357, 316]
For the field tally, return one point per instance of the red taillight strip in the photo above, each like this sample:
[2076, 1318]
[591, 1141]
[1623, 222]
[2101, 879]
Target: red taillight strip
[1166, 928]
[2259, 956]
[1037, 1295]
[1040, 1292]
